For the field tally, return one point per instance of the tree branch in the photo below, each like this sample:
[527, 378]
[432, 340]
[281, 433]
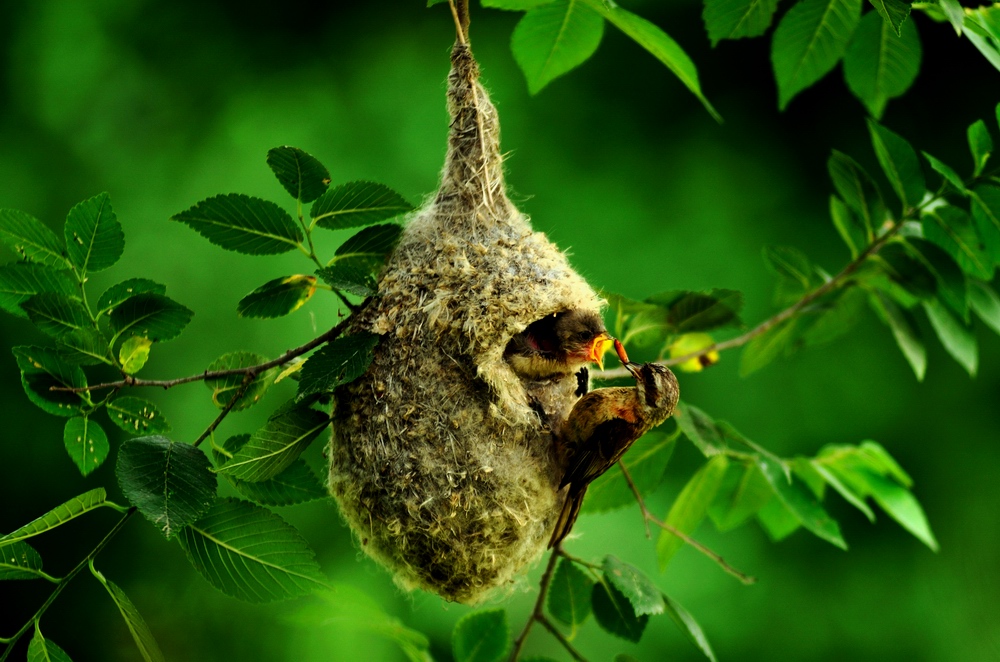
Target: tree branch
[240, 392]
[536, 612]
[562, 639]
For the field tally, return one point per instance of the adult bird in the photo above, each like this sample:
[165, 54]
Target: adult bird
[558, 345]
[604, 424]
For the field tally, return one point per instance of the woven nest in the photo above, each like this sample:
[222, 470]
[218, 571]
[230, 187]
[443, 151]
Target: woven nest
[442, 468]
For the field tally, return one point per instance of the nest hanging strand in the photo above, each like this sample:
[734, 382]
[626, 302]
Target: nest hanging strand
[438, 461]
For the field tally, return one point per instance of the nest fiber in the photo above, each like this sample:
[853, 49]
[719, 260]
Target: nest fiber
[439, 458]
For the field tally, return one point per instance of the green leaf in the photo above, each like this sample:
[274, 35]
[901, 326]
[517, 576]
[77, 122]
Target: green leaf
[980, 144]
[44, 650]
[690, 507]
[19, 560]
[837, 318]
[482, 636]
[634, 585]
[686, 623]
[700, 429]
[350, 277]
[950, 279]
[86, 346]
[899, 163]
[243, 224]
[137, 416]
[858, 190]
[902, 506]
[700, 311]
[904, 330]
[809, 41]
[850, 231]
[250, 553]
[277, 297]
[742, 492]
[646, 463]
[296, 484]
[768, 346]
[134, 353]
[368, 248]
[953, 230]
[637, 323]
[777, 520]
[614, 613]
[125, 290]
[339, 362]
[985, 303]
[355, 204]
[986, 214]
[20, 281]
[947, 172]
[86, 443]
[149, 315]
[844, 489]
[31, 239]
[170, 483]
[302, 175]
[790, 263]
[141, 634]
[733, 19]
[56, 314]
[954, 13]
[275, 446]
[41, 370]
[555, 38]
[797, 498]
[956, 338]
[61, 514]
[878, 458]
[569, 594]
[513, 5]
[893, 13]
[94, 237]
[659, 44]
[224, 388]
[883, 59]
[904, 266]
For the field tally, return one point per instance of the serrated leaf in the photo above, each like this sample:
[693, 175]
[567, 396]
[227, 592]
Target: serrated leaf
[659, 44]
[947, 172]
[893, 13]
[225, 388]
[134, 353]
[355, 204]
[980, 144]
[904, 330]
[85, 346]
[734, 19]
[847, 226]
[125, 290]
[638, 323]
[614, 613]
[278, 297]
[858, 190]
[685, 623]
[86, 443]
[22, 280]
[789, 263]
[482, 636]
[899, 163]
[275, 446]
[986, 214]
[950, 280]
[368, 248]
[170, 483]
[512, 5]
[766, 347]
[956, 338]
[141, 634]
[149, 315]
[339, 362]
[94, 237]
[19, 560]
[952, 229]
[646, 462]
[243, 224]
[569, 594]
[61, 514]
[690, 507]
[700, 311]
[554, 38]
[985, 302]
[883, 59]
[809, 41]
[41, 649]
[797, 498]
[296, 484]
[31, 239]
[137, 416]
[350, 277]
[41, 369]
[250, 553]
[634, 585]
[302, 175]
[742, 492]
[56, 314]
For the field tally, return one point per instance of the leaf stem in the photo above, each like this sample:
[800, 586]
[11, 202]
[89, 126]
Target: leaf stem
[248, 379]
[65, 582]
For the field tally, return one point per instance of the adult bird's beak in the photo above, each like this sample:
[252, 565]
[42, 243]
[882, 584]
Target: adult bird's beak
[598, 346]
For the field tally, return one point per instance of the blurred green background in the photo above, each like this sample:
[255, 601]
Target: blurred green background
[165, 103]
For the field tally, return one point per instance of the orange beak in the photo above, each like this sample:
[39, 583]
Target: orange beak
[620, 351]
[598, 346]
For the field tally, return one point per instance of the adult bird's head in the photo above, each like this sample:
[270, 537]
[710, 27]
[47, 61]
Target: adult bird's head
[658, 390]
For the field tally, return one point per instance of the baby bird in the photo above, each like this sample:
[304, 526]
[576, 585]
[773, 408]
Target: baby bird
[558, 345]
[602, 426]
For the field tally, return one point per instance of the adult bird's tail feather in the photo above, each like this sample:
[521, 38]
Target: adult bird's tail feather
[567, 516]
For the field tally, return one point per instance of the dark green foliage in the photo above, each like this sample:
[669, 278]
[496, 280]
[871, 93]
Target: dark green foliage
[59, 515]
[857, 190]
[56, 314]
[350, 278]
[555, 38]
[20, 281]
[686, 624]
[44, 650]
[368, 248]
[355, 204]
[149, 315]
[225, 389]
[634, 585]
[883, 58]
[615, 613]
[275, 446]
[569, 594]
[244, 224]
[690, 507]
[742, 492]
[295, 484]
[899, 163]
[893, 13]
[41, 370]
[734, 19]
[31, 239]
[19, 560]
[340, 361]
[646, 462]
[86, 443]
[141, 634]
[802, 503]
[482, 636]
[302, 175]
[137, 416]
[277, 297]
[121, 292]
[94, 238]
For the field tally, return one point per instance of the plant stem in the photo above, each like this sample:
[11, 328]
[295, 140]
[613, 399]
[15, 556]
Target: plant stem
[65, 582]
[536, 612]
[248, 379]
[562, 639]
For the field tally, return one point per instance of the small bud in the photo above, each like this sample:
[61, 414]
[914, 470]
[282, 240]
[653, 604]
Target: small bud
[690, 343]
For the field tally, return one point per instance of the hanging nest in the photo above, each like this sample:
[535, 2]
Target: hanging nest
[442, 460]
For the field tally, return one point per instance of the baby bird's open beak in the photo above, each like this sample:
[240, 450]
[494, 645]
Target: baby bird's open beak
[598, 346]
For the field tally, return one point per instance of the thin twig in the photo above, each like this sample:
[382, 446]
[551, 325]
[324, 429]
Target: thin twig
[216, 374]
[649, 517]
[240, 392]
[562, 639]
[536, 612]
